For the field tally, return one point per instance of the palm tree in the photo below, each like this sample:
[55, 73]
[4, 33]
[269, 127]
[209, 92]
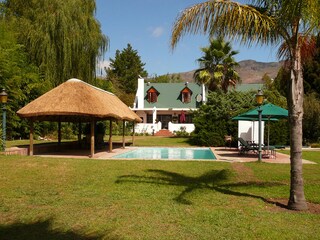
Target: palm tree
[263, 22]
[217, 66]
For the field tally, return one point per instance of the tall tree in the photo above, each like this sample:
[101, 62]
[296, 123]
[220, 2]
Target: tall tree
[124, 71]
[62, 38]
[311, 70]
[217, 66]
[311, 118]
[264, 22]
[20, 79]
[281, 81]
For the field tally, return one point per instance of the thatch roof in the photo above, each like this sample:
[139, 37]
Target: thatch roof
[75, 101]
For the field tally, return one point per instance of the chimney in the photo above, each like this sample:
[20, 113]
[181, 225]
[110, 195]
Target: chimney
[203, 93]
[140, 93]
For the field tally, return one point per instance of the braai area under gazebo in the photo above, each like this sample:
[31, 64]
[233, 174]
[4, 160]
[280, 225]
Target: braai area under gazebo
[78, 102]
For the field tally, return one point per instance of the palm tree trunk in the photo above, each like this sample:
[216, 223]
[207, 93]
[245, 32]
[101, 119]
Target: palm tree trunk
[297, 199]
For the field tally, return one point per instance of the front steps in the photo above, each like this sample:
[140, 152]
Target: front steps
[164, 133]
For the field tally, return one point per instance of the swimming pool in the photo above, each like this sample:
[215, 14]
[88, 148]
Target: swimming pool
[169, 153]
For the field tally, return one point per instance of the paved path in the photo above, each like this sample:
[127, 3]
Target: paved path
[232, 155]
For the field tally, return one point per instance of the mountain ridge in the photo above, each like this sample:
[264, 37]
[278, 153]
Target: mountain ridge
[250, 71]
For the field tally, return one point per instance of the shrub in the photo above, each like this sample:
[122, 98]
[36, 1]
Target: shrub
[315, 145]
[181, 133]
[214, 119]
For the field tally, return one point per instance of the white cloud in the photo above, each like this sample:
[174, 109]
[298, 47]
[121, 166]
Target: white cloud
[101, 66]
[157, 32]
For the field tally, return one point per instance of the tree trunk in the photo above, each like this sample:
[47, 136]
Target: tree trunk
[297, 199]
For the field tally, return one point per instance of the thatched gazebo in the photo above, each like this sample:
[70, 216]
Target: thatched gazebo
[80, 102]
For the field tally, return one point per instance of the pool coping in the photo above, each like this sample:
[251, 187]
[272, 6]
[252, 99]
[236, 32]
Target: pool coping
[222, 154]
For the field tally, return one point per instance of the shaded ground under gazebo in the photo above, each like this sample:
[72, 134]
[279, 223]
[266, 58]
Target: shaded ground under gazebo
[78, 102]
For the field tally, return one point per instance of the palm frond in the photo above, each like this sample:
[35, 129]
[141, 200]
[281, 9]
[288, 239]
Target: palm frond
[307, 45]
[225, 18]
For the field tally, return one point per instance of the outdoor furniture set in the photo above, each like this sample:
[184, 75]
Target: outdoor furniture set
[248, 146]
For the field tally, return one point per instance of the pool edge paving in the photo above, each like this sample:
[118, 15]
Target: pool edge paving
[222, 154]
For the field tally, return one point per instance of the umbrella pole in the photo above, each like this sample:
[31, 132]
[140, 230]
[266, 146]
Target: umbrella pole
[123, 138]
[259, 137]
[268, 134]
[110, 136]
[92, 138]
[59, 134]
[133, 133]
[31, 138]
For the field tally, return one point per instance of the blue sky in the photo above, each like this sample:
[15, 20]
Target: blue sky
[147, 24]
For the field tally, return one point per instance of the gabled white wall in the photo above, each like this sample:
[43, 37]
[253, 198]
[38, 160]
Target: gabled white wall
[248, 130]
[203, 92]
[140, 94]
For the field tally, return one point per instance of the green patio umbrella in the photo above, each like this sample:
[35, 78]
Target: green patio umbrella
[242, 117]
[270, 112]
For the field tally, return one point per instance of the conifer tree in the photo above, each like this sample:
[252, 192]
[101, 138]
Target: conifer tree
[125, 69]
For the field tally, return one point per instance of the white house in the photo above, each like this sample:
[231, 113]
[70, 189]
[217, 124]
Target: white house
[167, 105]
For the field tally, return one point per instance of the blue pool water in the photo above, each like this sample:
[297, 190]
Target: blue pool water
[169, 153]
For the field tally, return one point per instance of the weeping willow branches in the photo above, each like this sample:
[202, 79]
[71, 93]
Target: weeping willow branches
[62, 37]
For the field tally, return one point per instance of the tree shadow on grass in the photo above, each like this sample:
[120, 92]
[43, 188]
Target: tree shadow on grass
[43, 230]
[215, 180]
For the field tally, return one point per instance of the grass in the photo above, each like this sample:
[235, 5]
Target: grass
[161, 141]
[148, 141]
[308, 154]
[48, 198]
[139, 141]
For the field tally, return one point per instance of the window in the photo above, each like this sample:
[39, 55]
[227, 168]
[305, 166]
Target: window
[186, 95]
[149, 118]
[152, 95]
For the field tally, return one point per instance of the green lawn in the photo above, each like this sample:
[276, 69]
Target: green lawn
[139, 141]
[308, 154]
[161, 141]
[49, 198]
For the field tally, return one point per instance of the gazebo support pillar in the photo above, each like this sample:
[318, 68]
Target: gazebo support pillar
[92, 138]
[123, 138]
[79, 133]
[31, 139]
[59, 134]
[133, 133]
[110, 136]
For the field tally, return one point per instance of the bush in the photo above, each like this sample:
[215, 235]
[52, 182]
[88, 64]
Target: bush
[181, 133]
[1, 140]
[214, 120]
[311, 118]
[279, 133]
[204, 138]
[315, 145]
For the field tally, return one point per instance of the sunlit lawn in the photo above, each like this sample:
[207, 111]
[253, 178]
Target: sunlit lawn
[309, 154]
[161, 141]
[48, 198]
[138, 140]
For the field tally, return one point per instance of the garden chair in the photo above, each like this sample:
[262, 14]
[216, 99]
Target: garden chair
[269, 152]
[245, 146]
